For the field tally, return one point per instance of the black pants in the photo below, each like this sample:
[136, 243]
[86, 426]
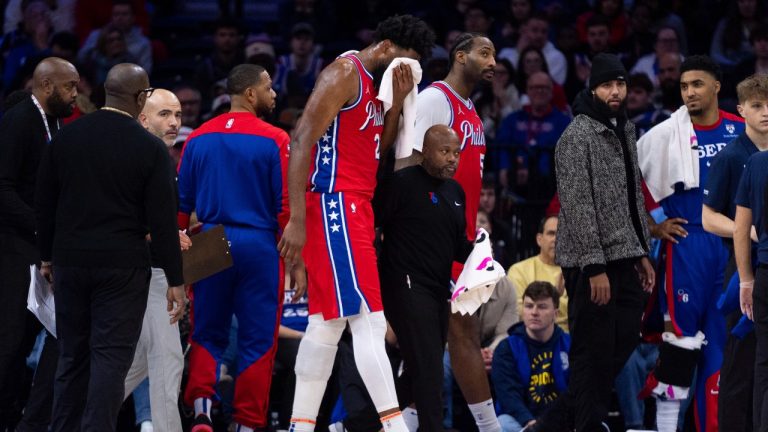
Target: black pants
[20, 328]
[98, 321]
[760, 314]
[602, 339]
[419, 318]
[734, 412]
[37, 412]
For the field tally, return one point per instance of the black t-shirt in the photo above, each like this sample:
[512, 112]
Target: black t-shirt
[423, 223]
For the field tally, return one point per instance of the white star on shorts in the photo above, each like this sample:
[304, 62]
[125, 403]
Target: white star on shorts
[335, 227]
[332, 204]
[333, 215]
[326, 160]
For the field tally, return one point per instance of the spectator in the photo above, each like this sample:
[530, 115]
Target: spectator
[597, 34]
[542, 267]
[534, 33]
[478, 19]
[517, 14]
[191, 105]
[497, 100]
[111, 49]
[531, 369]
[64, 45]
[667, 93]
[731, 41]
[757, 65]
[62, 14]
[667, 42]
[298, 70]
[94, 14]
[531, 61]
[123, 20]
[260, 51]
[617, 19]
[528, 137]
[30, 39]
[662, 16]
[227, 53]
[640, 108]
[640, 39]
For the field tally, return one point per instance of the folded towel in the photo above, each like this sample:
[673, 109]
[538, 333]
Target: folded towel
[406, 128]
[476, 282]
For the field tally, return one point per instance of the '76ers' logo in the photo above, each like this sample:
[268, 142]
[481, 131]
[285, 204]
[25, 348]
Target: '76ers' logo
[474, 135]
[375, 112]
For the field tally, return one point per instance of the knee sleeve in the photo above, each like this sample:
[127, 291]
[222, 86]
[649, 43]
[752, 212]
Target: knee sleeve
[368, 330]
[317, 349]
[678, 357]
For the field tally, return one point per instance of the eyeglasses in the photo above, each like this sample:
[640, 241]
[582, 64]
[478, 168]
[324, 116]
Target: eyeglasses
[148, 91]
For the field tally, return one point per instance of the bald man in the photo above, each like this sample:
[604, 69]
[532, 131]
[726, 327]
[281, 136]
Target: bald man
[104, 184]
[158, 353]
[25, 129]
[424, 224]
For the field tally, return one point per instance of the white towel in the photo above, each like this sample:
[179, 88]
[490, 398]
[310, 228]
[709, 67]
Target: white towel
[478, 279]
[406, 128]
[668, 154]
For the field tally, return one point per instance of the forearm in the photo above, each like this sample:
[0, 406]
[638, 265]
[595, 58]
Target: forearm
[742, 246]
[717, 223]
[289, 333]
[298, 170]
[391, 121]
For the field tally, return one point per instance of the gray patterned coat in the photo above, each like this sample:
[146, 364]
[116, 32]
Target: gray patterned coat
[595, 225]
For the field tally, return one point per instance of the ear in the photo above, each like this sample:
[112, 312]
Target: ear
[740, 109]
[717, 87]
[48, 86]
[143, 119]
[461, 57]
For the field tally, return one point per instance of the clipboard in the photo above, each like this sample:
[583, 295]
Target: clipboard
[208, 255]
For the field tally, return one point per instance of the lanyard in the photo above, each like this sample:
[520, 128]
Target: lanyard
[45, 119]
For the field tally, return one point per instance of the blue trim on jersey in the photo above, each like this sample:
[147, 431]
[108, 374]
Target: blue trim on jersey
[360, 82]
[340, 253]
[324, 177]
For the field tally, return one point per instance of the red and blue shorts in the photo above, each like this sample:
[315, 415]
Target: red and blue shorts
[340, 256]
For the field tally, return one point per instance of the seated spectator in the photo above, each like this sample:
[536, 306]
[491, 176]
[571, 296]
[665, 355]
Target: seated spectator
[531, 61]
[298, 70]
[530, 369]
[29, 40]
[754, 65]
[94, 14]
[640, 108]
[542, 267]
[667, 94]
[227, 53]
[477, 19]
[123, 20]
[597, 33]
[527, 140]
[191, 105]
[111, 49]
[731, 41]
[535, 33]
[498, 100]
[667, 41]
[62, 14]
[519, 11]
[618, 22]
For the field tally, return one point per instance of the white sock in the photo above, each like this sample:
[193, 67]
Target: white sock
[203, 406]
[302, 424]
[411, 417]
[485, 416]
[394, 423]
[146, 426]
[241, 428]
[667, 412]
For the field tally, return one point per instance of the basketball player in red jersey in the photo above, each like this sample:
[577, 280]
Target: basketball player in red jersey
[336, 147]
[448, 102]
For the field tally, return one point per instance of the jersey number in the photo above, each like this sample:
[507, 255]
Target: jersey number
[377, 139]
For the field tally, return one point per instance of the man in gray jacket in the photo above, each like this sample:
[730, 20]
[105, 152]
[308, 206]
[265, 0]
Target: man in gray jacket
[602, 246]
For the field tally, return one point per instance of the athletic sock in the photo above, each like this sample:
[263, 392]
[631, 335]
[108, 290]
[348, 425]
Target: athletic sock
[667, 412]
[394, 423]
[302, 424]
[203, 406]
[146, 426]
[485, 416]
[411, 417]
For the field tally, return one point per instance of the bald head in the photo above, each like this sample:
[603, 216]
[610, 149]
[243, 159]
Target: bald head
[161, 116]
[54, 84]
[123, 88]
[441, 151]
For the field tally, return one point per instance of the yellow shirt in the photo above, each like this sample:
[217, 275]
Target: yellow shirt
[534, 269]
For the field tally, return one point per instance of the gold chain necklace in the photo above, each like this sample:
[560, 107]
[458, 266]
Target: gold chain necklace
[119, 111]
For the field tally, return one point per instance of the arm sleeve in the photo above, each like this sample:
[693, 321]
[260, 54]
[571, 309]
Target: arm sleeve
[280, 180]
[13, 210]
[431, 108]
[46, 200]
[507, 383]
[575, 191]
[717, 188]
[159, 206]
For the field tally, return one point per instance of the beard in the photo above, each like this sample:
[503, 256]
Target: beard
[59, 108]
[607, 110]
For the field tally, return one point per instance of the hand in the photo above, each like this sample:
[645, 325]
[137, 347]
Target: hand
[46, 270]
[298, 281]
[560, 286]
[669, 228]
[601, 289]
[176, 302]
[487, 358]
[531, 423]
[402, 84]
[646, 273]
[184, 240]
[292, 242]
[745, 298]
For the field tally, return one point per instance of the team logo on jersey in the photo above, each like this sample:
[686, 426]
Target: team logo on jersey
[433, 198]
[473, 135]
[682, 296]
[229, 124]
[375, 113]
[730, 127]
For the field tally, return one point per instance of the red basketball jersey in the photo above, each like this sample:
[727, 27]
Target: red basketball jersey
[468, 126]
[346, 157]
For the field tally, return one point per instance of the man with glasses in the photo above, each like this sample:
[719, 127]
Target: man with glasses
[104, 184]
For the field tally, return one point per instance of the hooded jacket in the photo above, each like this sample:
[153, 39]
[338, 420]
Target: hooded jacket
[602, 218]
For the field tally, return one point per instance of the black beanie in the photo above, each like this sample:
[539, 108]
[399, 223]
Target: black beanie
[606, 67]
